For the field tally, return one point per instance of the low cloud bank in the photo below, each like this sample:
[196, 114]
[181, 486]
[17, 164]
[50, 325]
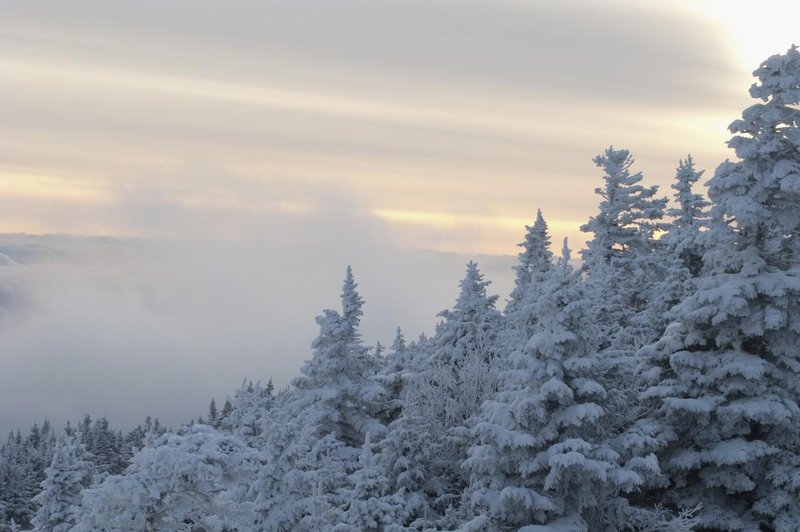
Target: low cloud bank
[130, 327]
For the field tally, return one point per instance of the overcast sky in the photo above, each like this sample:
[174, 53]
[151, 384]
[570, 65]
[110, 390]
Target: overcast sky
[321, 133]
[449, 121]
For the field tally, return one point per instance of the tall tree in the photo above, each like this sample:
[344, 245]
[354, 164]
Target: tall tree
[620, 258]
[333, 405]
[448, 379]
[730, 369]
[689, 218]
[540, 452]
[535, 258]
[335, 393]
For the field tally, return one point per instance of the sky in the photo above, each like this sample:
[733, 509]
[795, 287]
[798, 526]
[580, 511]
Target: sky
[254, 148]
[448, 123]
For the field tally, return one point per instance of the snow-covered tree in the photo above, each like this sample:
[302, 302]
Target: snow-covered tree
[540, 452]
[243, 415]
[470, 329]
[629, 213]
[684, 236]
[283, 489]
[729, 380]
[213, 414]
[447, 380]
[405, 449]
[179, 482]
[395, 365]
[620, 260]
[59, 501]
[370, 506]
[335, 393]
[531, 269]
[104, 447]
[19, 479]
[328, 412]
[533, 261]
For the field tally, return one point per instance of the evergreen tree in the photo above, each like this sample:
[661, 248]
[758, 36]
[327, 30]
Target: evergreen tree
[729, 380]
[104, 448]
[335, 393]
[445, 390]
[329, 411]
[59, 501]
[541, 452]
[533, 260]
[409, 442]
[213, 415]
[370, 507]
[19, 480]
[680, 249]
[395, 365]
[245, 413]
[623, 248]
[198, 480]
[227, 408]
[469, 329]
[534, 263]
[689, 219]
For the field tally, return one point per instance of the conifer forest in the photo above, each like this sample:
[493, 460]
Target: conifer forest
[648, 382]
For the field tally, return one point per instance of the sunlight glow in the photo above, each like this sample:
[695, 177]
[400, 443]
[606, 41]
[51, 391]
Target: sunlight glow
[446, 220]
[757, 29]
[29, 185]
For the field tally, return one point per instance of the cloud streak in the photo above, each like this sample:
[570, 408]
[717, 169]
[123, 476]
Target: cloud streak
[408, 107]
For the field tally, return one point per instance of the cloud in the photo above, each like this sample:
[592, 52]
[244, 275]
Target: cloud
[536, 46]
[237, 114]
[130, 327]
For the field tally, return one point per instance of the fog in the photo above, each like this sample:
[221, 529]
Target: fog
[128, 327]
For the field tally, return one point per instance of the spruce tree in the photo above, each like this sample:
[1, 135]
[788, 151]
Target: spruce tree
[395, 365]
[684, 236]
[213, 415]
[533, 260]
[623, 269]
[370, 506]
[335, 393]
[330, 409]
[540, 451]
[729, 380]
[60, 499]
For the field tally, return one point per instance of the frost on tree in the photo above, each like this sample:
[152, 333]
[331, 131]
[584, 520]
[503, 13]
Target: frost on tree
[180, 482]
[395, 366]
[539, 452]
[685, 234]
[332, 406]
[533, 262]
[681, 248]
[336, 394]
[60, 499]
[410, 437]
[370, 506]
[23, 461]
[244, 414]
[730, 367]
[620, 260]
[450, 377]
